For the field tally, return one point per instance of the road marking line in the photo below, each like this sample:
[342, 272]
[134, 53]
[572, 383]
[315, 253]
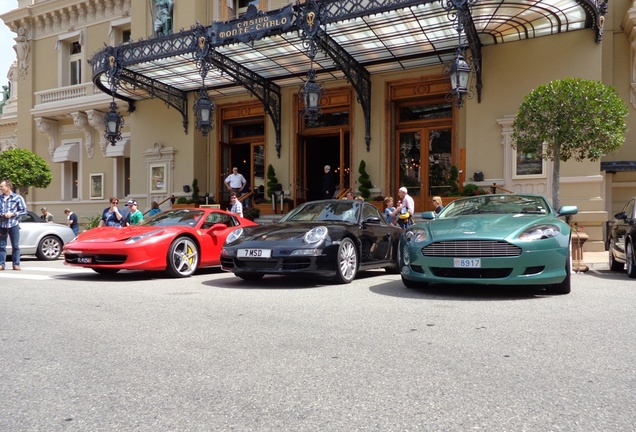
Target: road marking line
[23, 276]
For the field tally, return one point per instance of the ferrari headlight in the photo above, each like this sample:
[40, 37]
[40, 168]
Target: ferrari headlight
[315, 235]
[539, 232]
[415, 234]
[234, 235]
[137, 238]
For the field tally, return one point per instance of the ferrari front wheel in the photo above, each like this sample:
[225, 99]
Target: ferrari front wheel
[346, 262]
[183, 257]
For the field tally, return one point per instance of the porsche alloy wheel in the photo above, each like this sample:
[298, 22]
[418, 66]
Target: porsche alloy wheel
[183, 257]
[49, 248]
[347, 262]
[630, 259]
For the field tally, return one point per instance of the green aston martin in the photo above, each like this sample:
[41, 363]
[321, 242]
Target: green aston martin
[510, 239]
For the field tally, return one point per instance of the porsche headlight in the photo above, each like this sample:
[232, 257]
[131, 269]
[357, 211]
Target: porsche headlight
[315, 235]
[135, 239]
[539, 232]
[415, 234]
[234, 235]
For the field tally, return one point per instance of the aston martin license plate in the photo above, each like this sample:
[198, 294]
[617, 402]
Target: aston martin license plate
[85, 260]
[467, 262]
[254, 253]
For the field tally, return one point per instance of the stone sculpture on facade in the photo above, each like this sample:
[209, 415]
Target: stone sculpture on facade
[163, 22]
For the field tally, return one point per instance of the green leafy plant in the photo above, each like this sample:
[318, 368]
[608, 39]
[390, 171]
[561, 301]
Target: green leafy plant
[196, 198]
[25, 169]
[364, 181]
[92, 221]
[252, 213]
[272, 182]
[182, 200]
[471, 189]
[570, 118]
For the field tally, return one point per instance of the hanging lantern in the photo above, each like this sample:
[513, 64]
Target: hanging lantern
[204, 111]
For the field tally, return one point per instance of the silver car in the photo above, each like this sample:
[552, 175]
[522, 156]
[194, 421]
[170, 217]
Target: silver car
[42, 239]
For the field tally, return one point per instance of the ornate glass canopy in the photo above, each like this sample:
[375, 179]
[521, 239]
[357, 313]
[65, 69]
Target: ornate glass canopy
[261, 52]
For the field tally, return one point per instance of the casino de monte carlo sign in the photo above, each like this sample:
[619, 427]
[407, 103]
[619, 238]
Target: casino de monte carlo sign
[253, 25]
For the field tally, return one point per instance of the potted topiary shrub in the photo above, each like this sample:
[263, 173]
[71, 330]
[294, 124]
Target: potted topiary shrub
[252, 213]
[364, 181]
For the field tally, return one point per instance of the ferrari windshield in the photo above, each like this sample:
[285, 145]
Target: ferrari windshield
[185, 217]
[339, 211]
[497, 204]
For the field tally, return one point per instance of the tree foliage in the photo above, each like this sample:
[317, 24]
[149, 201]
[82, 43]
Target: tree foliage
[570, 118]
[25, 169]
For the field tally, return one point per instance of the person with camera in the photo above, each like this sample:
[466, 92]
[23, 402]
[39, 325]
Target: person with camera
[12, 208]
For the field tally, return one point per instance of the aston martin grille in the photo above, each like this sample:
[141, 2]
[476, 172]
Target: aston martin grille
[471, 248]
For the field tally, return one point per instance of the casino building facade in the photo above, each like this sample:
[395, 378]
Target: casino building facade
[301, 85]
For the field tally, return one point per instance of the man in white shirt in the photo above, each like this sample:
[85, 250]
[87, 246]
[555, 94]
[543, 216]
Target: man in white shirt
[235, 181]
[407, 205]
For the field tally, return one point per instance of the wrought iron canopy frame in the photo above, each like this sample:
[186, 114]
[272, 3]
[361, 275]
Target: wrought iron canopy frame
[358, 38]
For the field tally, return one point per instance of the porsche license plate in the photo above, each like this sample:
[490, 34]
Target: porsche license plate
[254, 253]
[467, 262]
[85, 260]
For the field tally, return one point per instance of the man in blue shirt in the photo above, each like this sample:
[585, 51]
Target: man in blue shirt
[12, 207]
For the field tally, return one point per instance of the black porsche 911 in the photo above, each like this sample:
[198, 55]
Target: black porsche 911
[330, 238]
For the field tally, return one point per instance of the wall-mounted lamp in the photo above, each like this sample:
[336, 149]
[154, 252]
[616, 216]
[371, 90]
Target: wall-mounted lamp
[204, 111]
[459, 74]
[112, 120]
[311, 94]
[459, 71]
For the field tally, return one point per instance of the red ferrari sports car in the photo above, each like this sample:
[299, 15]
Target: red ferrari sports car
[176, 241]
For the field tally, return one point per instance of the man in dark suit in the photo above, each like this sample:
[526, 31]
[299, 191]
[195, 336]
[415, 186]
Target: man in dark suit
[328, 183]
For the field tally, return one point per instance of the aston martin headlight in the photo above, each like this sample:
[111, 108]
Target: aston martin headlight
[415, 234]
[234, 236]
[539, 232]
[315, 235]
[137, 238]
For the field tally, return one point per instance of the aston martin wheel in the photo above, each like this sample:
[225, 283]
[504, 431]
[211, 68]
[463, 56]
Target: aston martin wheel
[50, 248]
[565, 286]
[105, 271]
[250, 276]
[630, 259]
[346, 261]
[183, 257]
[613, 264]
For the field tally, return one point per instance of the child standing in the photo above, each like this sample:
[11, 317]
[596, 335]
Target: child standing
[389, 211]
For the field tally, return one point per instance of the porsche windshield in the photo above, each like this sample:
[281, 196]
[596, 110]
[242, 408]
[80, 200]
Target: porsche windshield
[185, 217]
[497, 204]
[339, 211]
